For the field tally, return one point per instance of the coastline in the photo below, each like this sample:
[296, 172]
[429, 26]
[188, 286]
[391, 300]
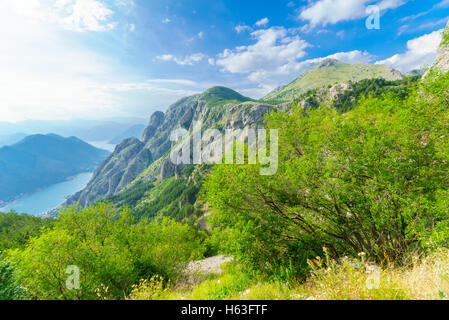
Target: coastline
[5, 204]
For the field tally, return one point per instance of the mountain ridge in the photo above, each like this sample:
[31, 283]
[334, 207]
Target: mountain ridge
[149, 157]
[330, 72]
[217, 107]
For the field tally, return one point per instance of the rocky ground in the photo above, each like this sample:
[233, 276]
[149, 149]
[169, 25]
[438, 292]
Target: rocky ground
[198, 271]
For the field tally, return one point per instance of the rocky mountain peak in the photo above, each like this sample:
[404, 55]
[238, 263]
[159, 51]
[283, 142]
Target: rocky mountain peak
[155, 121]
[327, 63]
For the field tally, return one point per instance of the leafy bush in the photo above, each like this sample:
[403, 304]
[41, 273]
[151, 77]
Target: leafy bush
[16, 229]
[364, 181]
[10, 289]
[111, 252]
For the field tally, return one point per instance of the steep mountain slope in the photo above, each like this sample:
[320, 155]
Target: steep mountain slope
[148, 160]
[41, 160]
[119, 169]
[136, 166]
[327, 73]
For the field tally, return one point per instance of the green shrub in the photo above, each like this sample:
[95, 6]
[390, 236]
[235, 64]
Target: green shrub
[363, 181]
[16, 229]
[10, 289]
[110, 251]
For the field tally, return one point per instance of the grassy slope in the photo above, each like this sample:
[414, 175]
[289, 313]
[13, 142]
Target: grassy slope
[330, 72]
[218, 96]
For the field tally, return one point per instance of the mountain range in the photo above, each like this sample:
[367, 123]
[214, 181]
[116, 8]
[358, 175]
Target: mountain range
[85, 129]
[42, 160]
[136, 162]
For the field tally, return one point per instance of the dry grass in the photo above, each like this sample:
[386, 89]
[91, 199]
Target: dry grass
[348, 279]
[424, 279]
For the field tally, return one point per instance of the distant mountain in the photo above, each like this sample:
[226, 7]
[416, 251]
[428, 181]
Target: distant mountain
[85, 129]
[415, 72]
[328, 73]
[42, 160]
[6, 140]
[135, 131]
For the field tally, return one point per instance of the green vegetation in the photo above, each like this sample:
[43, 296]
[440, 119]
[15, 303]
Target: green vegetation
[10, 288]
[330, 72]
[111, 251]
[375, 88]
[445, 42]
[219, 96]
[16, 229]
[424, 278]
[356, 210]
[174, 197]
[372, 180]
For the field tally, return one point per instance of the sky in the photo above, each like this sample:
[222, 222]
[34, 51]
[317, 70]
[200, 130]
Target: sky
[98, 59]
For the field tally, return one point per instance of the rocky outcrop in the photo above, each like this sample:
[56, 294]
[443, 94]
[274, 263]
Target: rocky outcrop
[149, 159]
[190, 111]
[127, 161]
[156, 120]
[330, 72]
[442, 62]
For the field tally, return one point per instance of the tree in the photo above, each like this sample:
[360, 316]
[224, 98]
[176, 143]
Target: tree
[370, 180]
[9, 287]
[110, 251]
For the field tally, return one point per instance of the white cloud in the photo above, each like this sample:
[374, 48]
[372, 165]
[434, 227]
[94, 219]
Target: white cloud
[48, 74]
[324, 12]
[242, 28]
[87, 15]
[166, 21]
[74, 15]
[442, 4]
[186, 61]
[275, 49]
[390, 4]
[420, 52]
[262, 22]
[275, 58]
[267, 80]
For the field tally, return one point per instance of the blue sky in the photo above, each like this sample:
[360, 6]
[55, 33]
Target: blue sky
[64, 59]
